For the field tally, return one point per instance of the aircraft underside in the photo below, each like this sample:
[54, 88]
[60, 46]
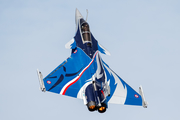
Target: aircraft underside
[84, 75]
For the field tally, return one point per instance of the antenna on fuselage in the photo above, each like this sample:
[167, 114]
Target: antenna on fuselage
[87, 14]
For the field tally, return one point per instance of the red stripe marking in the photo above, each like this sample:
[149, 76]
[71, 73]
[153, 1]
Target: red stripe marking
[102, 93]
[79, 76]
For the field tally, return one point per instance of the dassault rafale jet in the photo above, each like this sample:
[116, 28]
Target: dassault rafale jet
[86, 76]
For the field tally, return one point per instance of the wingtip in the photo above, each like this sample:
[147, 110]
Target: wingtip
[40, 77]
[144, 102]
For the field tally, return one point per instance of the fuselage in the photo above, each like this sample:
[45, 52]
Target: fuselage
[84, 40]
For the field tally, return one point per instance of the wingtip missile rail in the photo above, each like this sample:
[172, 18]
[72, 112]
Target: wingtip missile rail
[144, 102]
[41, 82]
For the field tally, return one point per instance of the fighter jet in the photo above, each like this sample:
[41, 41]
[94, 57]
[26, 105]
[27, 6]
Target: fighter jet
[84, 75]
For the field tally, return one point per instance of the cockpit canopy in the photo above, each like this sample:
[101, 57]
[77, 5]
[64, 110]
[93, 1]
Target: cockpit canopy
[86, 34]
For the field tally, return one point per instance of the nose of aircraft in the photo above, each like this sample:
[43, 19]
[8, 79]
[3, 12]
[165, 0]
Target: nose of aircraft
[77, 17]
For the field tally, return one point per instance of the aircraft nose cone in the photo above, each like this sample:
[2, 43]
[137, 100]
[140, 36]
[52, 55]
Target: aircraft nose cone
[77, 16]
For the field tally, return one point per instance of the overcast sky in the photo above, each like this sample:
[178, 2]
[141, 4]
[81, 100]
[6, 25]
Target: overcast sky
[143, 37]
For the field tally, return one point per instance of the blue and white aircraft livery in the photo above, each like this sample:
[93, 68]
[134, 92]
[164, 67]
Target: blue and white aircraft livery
[86, 76]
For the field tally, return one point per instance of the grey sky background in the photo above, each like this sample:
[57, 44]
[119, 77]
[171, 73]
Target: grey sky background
[142, 36]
